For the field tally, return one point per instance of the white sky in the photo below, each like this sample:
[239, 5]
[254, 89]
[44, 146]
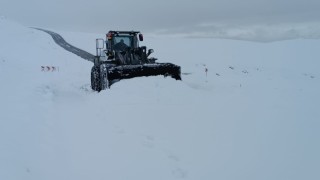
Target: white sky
[146, 15]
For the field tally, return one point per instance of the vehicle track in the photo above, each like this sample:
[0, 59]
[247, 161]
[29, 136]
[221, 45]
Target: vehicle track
[65, 45]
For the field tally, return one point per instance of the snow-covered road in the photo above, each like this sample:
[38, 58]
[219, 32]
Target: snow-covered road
[254, 116]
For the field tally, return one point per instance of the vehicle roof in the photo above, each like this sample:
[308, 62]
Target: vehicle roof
[125, 32]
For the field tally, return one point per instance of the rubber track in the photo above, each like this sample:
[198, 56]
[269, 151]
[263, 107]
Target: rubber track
[61, 42]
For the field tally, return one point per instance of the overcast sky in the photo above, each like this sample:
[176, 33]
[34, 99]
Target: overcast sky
[147, 15]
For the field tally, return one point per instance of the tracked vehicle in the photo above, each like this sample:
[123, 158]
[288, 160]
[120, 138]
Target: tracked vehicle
[120, 57]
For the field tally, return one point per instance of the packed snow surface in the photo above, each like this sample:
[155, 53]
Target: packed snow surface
[253, 115]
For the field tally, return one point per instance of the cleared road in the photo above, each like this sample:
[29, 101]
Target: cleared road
[61, 42]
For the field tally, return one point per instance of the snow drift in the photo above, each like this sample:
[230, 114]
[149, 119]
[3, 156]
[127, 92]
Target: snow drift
[253, 116]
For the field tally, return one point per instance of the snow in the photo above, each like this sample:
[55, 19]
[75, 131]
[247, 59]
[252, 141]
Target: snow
[255, 115]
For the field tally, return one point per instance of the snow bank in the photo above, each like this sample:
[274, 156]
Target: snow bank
[253, 116]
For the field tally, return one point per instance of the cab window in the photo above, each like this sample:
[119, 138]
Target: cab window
[126, 40]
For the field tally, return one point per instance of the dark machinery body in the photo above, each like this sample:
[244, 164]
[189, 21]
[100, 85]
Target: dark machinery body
[123, 58]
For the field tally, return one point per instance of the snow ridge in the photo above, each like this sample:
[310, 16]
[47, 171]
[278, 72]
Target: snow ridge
[243, 111]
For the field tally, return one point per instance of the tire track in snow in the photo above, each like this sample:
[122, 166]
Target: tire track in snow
[65, 45]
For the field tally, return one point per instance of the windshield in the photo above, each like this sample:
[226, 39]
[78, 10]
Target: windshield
[126, 40]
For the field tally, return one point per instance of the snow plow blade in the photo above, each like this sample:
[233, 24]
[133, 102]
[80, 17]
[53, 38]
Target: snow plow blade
[116, 73]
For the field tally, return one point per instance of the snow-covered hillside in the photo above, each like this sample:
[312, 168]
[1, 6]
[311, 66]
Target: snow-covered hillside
[254, 116]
